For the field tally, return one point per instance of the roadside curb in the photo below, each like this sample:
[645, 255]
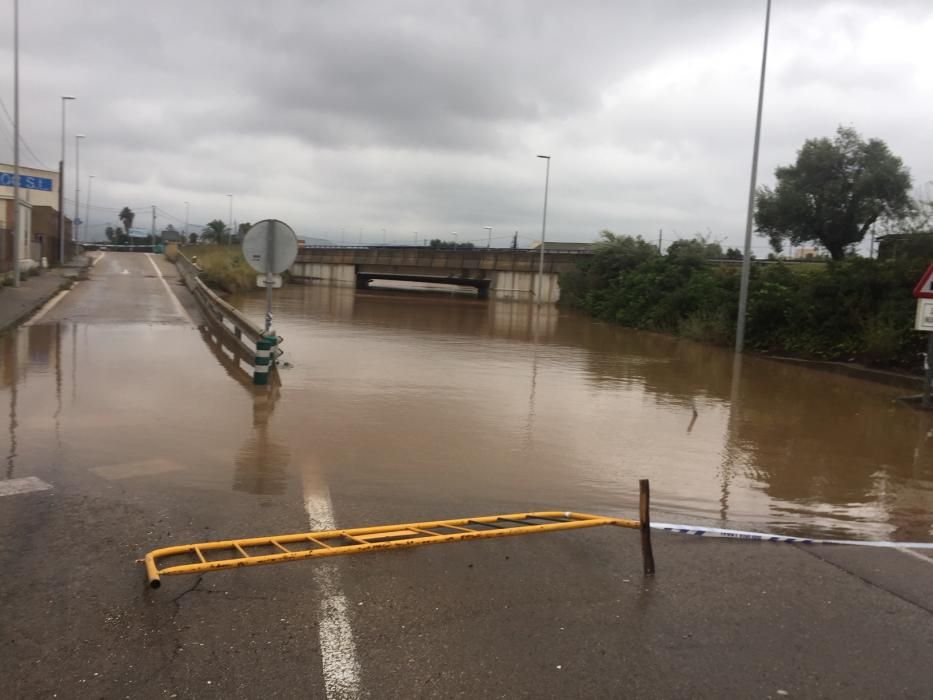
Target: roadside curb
[879, 376]
[66, 283]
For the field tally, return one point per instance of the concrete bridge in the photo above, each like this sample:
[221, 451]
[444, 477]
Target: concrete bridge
[504, 273]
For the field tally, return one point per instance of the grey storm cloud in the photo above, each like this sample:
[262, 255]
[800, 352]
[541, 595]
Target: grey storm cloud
[427, 116]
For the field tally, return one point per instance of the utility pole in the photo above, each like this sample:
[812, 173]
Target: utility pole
[660, 237]
[153, 224]
[489, 242]
[17, 220]
[187, 211]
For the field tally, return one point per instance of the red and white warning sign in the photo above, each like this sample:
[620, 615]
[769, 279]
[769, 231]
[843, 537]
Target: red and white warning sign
[924, 288]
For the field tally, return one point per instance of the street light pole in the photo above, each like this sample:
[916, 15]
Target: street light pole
[747, 258]
[61, 189]
[75, 224]
[230, 235]
[547, 177]
[187, 211]
[87, 206]
[489, 242]
[17, 220]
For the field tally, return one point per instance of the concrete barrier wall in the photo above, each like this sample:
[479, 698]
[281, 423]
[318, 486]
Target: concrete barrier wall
[338, 275]
[523, 286]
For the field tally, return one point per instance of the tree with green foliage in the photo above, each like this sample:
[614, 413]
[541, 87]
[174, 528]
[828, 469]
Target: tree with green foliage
[698, 247]
[834, 193]
[214, 232]
[192, 238]
[126, 217]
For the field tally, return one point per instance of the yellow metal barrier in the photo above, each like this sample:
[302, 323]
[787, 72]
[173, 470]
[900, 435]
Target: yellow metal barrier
[255, 551]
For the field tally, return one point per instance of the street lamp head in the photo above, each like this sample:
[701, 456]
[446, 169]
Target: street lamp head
[80, 136]
[69, 97]
[547, 157]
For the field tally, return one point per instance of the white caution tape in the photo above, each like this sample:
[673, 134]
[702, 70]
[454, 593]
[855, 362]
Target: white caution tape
[766, 537]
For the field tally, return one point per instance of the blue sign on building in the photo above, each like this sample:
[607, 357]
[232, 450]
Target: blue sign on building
[27, 182]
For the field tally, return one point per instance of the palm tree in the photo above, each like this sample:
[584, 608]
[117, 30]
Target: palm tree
[127, 216]
[214, 231]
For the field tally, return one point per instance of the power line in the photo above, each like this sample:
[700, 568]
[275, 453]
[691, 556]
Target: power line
[23, 140]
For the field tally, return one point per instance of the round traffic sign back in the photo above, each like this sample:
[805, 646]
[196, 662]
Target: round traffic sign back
[270, 246]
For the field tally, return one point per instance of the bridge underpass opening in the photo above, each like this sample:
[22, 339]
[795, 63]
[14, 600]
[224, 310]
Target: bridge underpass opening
[403, 282]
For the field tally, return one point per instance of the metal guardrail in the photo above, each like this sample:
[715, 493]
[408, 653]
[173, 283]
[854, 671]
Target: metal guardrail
[112, 247]
[224, 317]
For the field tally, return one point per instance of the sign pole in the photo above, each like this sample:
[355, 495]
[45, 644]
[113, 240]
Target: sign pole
[928, 373]
[270, 255]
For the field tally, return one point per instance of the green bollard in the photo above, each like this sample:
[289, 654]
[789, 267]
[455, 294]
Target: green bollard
[263, 361]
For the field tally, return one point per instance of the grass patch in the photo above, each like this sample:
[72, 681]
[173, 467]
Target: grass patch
[224, 267]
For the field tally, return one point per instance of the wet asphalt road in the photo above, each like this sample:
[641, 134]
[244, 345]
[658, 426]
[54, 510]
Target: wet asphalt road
[559, 615]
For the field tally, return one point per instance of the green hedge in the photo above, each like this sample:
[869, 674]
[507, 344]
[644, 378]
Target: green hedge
[856, 309]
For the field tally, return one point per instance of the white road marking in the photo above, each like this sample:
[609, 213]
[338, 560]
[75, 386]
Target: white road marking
[98, 258]
[178, 307]
[49, 305]
[128, 470]
[26, 484]
[912, 553]
[338, 650]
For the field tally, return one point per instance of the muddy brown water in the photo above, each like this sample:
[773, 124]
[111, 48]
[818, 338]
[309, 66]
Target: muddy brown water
[428, 397]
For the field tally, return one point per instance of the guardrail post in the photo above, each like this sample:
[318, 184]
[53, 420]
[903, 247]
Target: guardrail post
[644, 523]
[263, 363]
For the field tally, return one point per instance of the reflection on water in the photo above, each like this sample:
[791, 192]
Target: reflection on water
[262, 461]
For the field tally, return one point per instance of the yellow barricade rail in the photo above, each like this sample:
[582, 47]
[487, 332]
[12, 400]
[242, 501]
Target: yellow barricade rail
[255, 551]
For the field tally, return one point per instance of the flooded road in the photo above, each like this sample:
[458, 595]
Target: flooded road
[434, 405]
[127, 427]
[433, 397]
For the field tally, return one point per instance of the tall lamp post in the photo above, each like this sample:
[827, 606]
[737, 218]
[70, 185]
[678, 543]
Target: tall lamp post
[87, 207]
[61, 189]
[547, 177]
[187, 211]
[747, 258]
[489, 242]
[75, 224]
[17, 220]
[230, 236]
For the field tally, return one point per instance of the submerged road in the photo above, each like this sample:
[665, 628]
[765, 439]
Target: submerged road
[133, 435]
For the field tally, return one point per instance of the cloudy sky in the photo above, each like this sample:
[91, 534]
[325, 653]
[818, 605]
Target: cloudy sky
[347, 118]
